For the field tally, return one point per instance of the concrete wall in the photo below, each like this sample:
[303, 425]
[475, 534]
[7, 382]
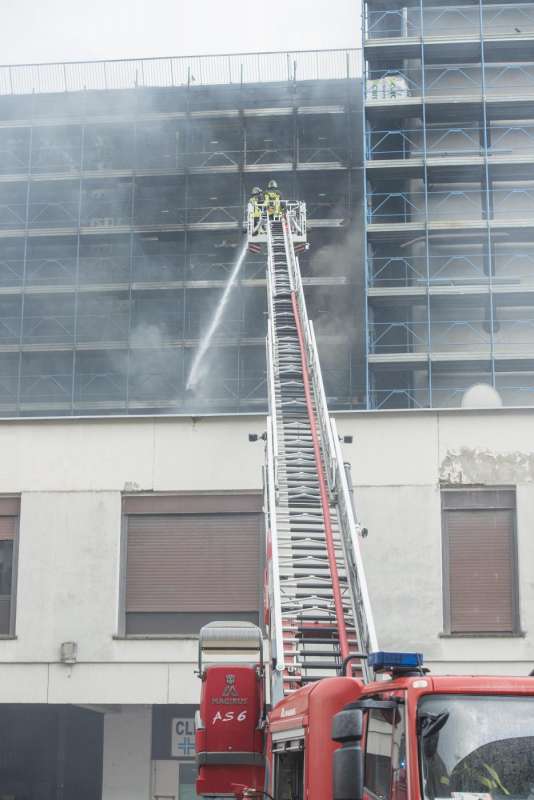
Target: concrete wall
[71, 474]
[398, 494]
[71, 477]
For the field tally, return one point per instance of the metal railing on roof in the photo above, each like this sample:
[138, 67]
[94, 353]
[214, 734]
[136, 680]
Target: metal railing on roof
[238, 68]
[503, 19]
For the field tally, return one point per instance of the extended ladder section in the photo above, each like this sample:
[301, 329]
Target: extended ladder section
[320, 618]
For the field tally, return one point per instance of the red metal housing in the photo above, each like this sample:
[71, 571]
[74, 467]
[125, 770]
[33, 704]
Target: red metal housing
[308, 714]
[229, 738]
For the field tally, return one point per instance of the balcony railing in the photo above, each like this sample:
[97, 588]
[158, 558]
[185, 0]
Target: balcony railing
[452, 269]
[453, 205]
[513, 394]
[240, 68]
[451, 141]
[453, 336]
[508, 20]
[64, 270]
[455, 80]
[69, 215]
[398, 397]
[14, 160]
[144, 385]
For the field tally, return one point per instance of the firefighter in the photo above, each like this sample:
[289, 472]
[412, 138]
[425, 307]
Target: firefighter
[256, 201]
[273, 199]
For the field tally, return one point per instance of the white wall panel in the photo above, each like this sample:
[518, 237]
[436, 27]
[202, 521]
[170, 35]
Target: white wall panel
[70, 538]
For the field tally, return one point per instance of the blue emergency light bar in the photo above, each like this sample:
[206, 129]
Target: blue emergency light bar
[394, 662]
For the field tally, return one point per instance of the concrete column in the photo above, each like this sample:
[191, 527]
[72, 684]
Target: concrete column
[127, 745]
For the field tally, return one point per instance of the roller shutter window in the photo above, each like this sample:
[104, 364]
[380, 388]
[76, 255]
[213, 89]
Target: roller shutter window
[480, 560]
[9, 518]
[190, 560]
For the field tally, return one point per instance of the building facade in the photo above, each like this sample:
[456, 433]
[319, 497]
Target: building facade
[122, 193]
[449, 198]
[123, 189]
[104, 585]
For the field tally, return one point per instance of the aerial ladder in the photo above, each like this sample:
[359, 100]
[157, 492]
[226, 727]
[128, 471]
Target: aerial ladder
[319, 616]
[317, 612]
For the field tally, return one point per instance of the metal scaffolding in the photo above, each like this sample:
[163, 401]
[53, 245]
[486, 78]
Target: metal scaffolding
[121, 211]
[449, 201]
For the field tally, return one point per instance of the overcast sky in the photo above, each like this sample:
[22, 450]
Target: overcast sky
[70, 30]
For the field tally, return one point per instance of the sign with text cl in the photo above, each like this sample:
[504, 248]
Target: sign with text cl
[183, 738]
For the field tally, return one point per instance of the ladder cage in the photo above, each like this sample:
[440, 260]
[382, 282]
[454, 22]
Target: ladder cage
[258, 217]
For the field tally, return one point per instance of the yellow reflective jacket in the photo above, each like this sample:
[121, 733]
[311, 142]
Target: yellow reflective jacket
[273, 200]
[256, 201]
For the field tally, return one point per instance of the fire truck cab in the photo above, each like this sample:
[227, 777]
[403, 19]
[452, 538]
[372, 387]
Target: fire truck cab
[300, 745]
[428, 737]
[411, 736]
[407, 736]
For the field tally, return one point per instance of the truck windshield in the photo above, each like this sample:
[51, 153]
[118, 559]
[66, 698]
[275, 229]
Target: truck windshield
[476, 748]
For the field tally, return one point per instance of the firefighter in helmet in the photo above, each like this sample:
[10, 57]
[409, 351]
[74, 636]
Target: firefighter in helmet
[256, 201]
[273, 199]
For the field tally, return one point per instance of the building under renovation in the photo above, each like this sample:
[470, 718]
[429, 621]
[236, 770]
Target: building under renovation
[449, 110]
[123, 187]
[123, 192]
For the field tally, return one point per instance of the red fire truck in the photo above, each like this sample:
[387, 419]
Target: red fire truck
[412, 735]
[348, 721]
